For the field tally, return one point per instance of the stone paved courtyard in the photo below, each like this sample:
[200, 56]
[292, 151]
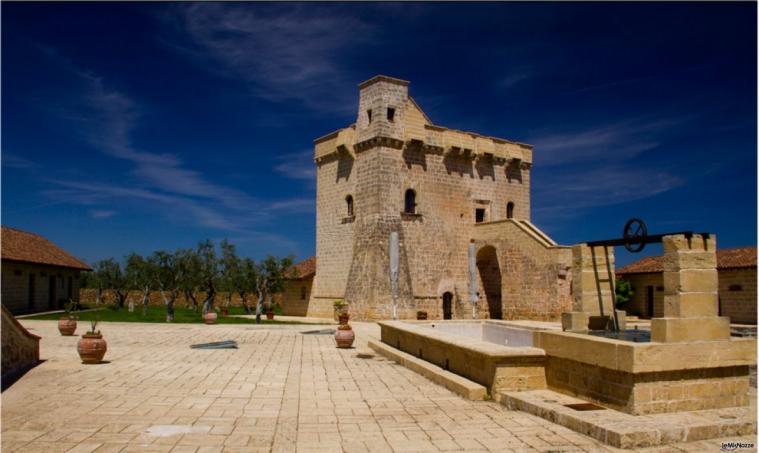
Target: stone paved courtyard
[281, 391]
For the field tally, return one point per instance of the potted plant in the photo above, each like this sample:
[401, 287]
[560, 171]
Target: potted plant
[67, 323]
[224, 311]
[92, 346]
[344, 336]
[270, 313]
[341, 311]
[211, 316]
[421, 315]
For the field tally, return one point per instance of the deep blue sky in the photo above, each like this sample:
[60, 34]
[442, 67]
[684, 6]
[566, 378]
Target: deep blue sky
[135, 127]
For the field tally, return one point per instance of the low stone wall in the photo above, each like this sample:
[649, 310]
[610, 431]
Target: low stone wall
[88, 296]
[20, 349]
[499, 368]
[651, 393]
[649, 378]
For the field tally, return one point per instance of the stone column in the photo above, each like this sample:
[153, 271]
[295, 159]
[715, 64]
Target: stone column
[690, 292]
[592, 269]
[590, 282]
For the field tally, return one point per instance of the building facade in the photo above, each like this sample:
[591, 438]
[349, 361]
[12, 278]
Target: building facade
[441, 190]
[37, 275]
[736, 271]
[294, 298]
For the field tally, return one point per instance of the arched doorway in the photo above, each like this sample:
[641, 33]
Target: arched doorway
[490, 275]
[447, 305]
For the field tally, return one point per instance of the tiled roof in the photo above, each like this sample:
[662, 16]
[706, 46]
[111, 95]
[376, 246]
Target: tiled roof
[734, 258]
[304, 269]
[19, 245]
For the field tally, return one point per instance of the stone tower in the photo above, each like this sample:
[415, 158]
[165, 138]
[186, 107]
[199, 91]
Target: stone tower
[440, 189]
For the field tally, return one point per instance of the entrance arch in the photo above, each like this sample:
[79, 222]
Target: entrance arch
[490, 275]
[447, 305]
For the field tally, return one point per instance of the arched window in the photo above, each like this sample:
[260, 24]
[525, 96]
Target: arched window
[510, 210]
[409, 205]
[349, 205]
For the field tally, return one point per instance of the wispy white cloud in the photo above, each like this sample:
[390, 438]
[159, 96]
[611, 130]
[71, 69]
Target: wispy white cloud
[283, 51]
[514, 78]
[106, 119]
[297, 165]
[571, 194]
[13, 161]
[101, 213]
[611, 142]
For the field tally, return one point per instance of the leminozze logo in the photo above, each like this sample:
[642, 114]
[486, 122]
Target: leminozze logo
[732, 446]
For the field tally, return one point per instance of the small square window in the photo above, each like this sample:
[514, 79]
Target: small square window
[391, 114]
[479, 215]
[736, 288]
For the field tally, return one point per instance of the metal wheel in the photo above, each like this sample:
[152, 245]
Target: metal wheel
[635, 230]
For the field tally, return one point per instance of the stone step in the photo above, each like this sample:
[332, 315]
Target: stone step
[623, 430]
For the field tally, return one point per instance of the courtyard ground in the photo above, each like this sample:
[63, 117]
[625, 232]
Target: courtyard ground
[281, 391]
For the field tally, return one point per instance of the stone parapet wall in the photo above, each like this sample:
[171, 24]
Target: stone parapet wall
[643, 378]
[20, 349]
[498, 368]
[651, 393]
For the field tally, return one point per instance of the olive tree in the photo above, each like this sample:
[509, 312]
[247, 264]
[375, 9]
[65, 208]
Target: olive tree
[168, 274]
[270, 278]
[140, 274]
[191, 282]
[246, 282]
[209, 272]
[229, 272]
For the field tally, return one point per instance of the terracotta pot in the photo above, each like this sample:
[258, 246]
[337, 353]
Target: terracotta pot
[210, 317]
[225, 312]
[421, 315]
[67, 326]
[91, 348]
[344, 337]
[269, 315]
[343, 318]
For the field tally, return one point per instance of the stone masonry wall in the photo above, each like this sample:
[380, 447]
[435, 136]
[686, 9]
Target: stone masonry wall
[535, 280]
[651, 393]
[353, 255]
[638, 302]
[16, 285]
[20, 349]
[737, 295]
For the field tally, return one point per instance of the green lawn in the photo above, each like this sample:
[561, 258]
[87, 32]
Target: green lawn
[158, 314]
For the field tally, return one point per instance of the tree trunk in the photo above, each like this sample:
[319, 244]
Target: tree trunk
[245, 305]
[169, 306]
[99, 298]
[145, 300]
[259, 307]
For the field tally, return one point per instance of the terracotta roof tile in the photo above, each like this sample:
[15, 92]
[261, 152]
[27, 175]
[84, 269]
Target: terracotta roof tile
[733, 258]
[20, 245]
[304, 269]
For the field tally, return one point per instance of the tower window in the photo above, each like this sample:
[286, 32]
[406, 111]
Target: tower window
[369, 115]
[479, 215]
[735, 288]
[302, 293]
[349, 205]
[409, 206]
[390, 114]
[510, 210]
